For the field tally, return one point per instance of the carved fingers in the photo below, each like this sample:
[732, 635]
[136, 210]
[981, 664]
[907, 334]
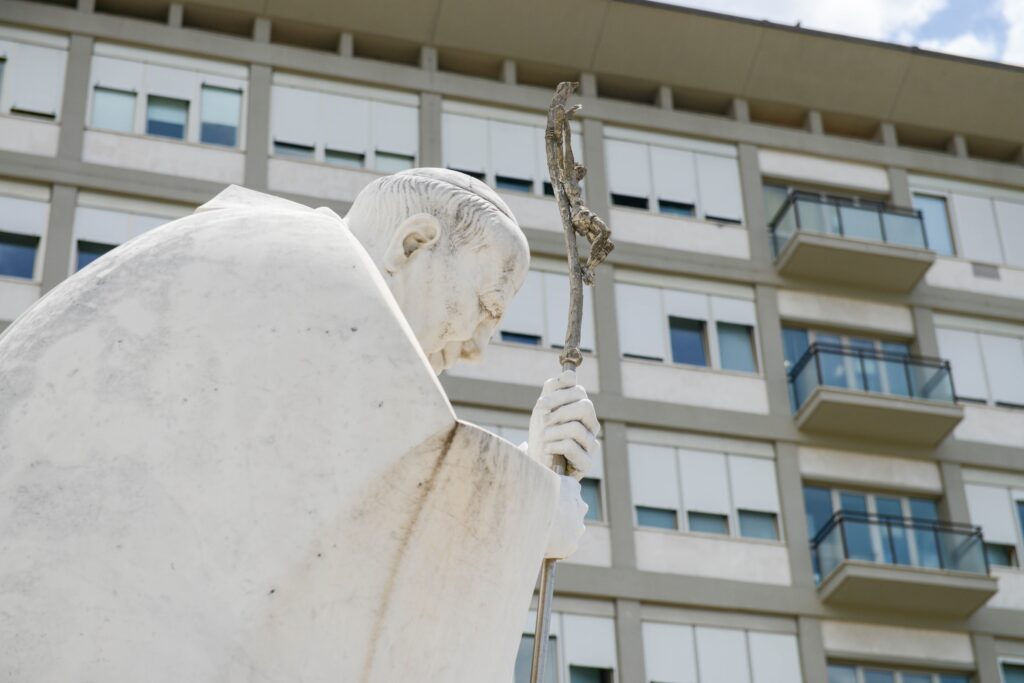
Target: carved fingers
[564, 423]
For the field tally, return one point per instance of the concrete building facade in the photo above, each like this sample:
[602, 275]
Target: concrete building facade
[807, 350]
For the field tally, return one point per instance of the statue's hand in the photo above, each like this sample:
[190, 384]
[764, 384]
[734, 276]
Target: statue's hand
[564, 423]
[567, 528]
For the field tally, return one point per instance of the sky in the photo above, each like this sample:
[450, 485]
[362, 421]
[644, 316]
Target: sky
[983, 29]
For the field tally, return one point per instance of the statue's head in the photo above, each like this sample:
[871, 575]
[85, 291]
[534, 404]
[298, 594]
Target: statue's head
[451, 252]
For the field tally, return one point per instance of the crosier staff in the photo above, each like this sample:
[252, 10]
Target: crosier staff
[566, 175]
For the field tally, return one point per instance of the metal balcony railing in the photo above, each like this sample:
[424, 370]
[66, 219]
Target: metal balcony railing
[927, 544]
[875, 222]
[870, 370]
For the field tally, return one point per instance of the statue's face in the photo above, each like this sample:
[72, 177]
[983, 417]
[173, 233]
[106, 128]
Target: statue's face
[454, 301]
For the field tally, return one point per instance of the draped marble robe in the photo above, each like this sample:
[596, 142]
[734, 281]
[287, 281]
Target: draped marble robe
[224, 457]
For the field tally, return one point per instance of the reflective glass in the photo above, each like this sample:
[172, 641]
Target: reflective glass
[999, 555]
[903, 230]
[860, 223]
[936, 223]
[675, 208]
[758, 525]
[658, 518]
[954, 678]
[909, 677]
[838, 673]
[857, 533]
[591, 494]
[897, 378]
[707, 523]
[349, 159]
[18, 255]
[736, 346]
[815, 216]
[287, 149]
[1013, 673]
[166, 116]
[688, 341]
[895, 543]
[586, 674]
[925, 540]
[878, 676]
[865, 372]
[818, 507]
[113, 110]
[89, 252]
[393, 163]
[835, 365]
[220, 110]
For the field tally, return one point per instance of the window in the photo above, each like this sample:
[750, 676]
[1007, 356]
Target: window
[710, 654]
[22, 222]
[220, 111]
[536, 316]
[167, 117]
[703, 491]
[89, 252]
[103, 222]
[503, 149]
[697, 329]
[848, 673]
[998, 511]
[1000, 555]
[32, 73]
[587, 674]
[936, 222]
[1013, 673]
[18, 255]
[524, 660]
[344, 125]
[591, 494]
[113, 110]
[673, 175]
[987, 361]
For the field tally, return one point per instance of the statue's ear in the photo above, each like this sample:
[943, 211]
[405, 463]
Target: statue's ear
[414, 234]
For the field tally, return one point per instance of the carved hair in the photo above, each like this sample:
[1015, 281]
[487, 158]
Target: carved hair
[472, 213]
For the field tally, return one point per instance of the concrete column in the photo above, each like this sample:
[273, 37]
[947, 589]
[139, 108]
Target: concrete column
[926, 343]
[176, 15]
[261, 29]
[753, 206]
[73, 103]
[886, 134]
[346, 45]
[953, 506]
[664, 99]
[812, 649]
[794, 519]
[618, 498]
[773, 357]
[508, 72]
[59, 236]
[985, 659]
[629, 641]
[739, 110]
[588, 85]
[428, 58]
[813, 122]
[899, 188]
[957, 146]
[257, 127]
[86, 5]
[431, 153]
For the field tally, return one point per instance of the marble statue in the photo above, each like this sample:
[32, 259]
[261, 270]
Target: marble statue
[225, 454]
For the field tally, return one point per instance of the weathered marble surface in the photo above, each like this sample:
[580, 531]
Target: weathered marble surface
[192, 490]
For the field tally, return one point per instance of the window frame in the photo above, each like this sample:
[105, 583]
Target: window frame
[549, 339]
[28, 192]
[897, 673]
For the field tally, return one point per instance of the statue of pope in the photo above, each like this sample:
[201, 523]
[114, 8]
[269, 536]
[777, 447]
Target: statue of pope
[225, 455]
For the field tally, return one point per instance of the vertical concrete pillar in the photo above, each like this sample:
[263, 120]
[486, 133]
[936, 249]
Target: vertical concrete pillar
[813, 122]
[629, 641]
[769, 326]
[886, 134]
[926, 342]
[664, 99]
[86, 5]
[428, 58]
[899, 188]
[431, 153]
[261, 30]
[739, 110]
[508, 72]
[59, 236]
[176, 15]
[619, 499]
[954, 495]
[957, 146]
[794, 519]
[753, 206]
[588, 85]
[346, 44]
[73, 103]
[812, 649]
[257, 127]
[986, 660]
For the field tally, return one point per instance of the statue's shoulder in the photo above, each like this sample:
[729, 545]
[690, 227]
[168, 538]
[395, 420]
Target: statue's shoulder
[238, 198]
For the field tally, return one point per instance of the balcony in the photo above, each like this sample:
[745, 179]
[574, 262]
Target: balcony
[867, 393]
[871, 246]
[893, 563]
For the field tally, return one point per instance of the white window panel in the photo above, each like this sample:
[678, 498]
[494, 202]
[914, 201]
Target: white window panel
[1010, 216]
[991, 509]
[556, 287]
[169, 82]
[589, 641]
[346, 124]
[628, 168]
[118, 74]
[396, 128]
[753, 484]
[685, 305]
[1004, 365]
[221, 106]
[641, 320]
[464, 139]
[668, 653]
[36, 79]
[525, 315]
[719, 182]
[774, 658]
[23, 216]
[103, 225]
[722, 655]
[704, 480]
[674, 174]
[512, 149]
[295, 116]
[652, 476]
[962, 350]
[729, 310]
[976, 228]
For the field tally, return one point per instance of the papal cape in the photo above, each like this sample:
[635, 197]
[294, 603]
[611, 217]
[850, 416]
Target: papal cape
[223, 457]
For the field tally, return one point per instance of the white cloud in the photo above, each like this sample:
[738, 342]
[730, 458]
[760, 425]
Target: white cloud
[1013, 14]
[965, 45]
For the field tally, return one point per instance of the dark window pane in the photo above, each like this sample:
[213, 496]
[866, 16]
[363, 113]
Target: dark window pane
[878, 676]
[707, 523]
[926, 541]
[736, 346]
[688, 341]
[841, 674]
[909, 677]
[657, 518]
[517, 338]
[513, 184]
[591, 493]
[338, 157]
[818, 506]
[794, 344]
[895, 542]
[627, 200]
[586, 674]
[475, 174]
[858, 533]
[774, 198]
[166, 117]
[287, 149]
[90, 251]
[675, 208]
[549, 189]
[219, 110]
[218, 134]
[758, 525]
[18, 255]
[957, 678]
[1013, 673]
[524, 660]
[1000, 555]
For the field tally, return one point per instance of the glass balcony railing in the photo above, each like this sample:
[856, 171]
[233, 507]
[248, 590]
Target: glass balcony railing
[870, 370]
[927, 544]
[875, 222]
